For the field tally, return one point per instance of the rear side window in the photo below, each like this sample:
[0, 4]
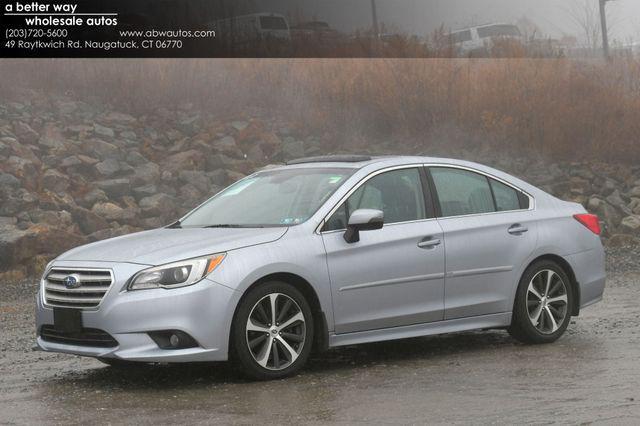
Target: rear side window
[462, 192]
[461, 36]
[506, 197]
[397, 193]
[273, 23]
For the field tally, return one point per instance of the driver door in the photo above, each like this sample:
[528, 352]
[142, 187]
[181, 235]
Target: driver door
[393, 276]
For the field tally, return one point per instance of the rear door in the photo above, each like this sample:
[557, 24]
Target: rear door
[393, 276]
[488, 231]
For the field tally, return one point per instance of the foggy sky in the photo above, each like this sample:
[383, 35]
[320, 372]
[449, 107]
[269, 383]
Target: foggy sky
[421, 17]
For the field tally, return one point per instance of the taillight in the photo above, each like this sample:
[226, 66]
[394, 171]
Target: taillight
[590, 221]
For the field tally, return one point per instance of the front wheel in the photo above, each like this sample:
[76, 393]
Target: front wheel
[272, 331]
[542, 309]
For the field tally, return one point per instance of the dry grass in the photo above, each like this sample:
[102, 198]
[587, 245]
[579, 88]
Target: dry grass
[573, 109]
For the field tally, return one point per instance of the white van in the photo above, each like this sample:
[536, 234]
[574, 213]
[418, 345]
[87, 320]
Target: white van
[250, 28]
[482, 38]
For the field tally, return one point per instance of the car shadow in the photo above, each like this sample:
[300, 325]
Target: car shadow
[417, 349]
[335, 361]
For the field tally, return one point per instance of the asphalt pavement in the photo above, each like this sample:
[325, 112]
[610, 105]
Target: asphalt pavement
[592, 374]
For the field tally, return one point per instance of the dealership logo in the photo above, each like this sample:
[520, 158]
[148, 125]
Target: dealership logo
[72, 281]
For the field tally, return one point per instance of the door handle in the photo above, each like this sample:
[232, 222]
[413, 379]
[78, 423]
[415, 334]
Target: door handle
[429, 242]
[517, 229]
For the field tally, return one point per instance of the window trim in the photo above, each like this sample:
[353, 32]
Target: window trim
[532, 200]
[429, 212]
[433, 195]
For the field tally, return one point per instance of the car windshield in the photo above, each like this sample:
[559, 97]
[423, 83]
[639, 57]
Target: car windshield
[270, 198]
[498, 31]
[273, 23]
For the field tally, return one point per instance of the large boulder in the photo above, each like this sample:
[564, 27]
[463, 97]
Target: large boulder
[111, 211]
[292, 148]
[60, 219]
[187, 160]
[8, 181]
[145, 173]
[114, 188]
[631, 225]
[23, 169]
[135, 158]
[198, 179]
[55, 181]
[103, 131]
[52, 138]
[635, 192]
[19, 201]
[100, 149]
[227, 145]
[108, 167]
[25, 132]
[145, 191]
[88, 221]
[21, 246]
[158, 205]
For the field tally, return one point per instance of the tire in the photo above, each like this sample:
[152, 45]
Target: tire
[540, 317]
[119, 363]
[265, 351]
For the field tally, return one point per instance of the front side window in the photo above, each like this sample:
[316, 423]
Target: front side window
[462, 192]
[270, 198]
[397, 193]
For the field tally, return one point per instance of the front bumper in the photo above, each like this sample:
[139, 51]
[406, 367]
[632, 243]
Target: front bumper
[203, 310]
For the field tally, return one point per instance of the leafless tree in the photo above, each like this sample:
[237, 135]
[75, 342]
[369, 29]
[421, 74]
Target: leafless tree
[586, 15]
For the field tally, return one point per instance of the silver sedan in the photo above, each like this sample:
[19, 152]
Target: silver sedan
[325, 252]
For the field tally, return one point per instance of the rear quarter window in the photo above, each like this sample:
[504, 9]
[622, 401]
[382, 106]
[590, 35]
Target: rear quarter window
[506, 197]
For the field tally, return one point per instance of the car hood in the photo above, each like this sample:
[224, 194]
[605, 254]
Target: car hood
[160, 246]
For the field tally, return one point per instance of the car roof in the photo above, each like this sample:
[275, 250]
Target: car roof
[361, 161]
[373, 163]
[482, 26]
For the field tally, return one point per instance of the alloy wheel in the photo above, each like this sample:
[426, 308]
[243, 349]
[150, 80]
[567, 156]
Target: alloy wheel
[276, 331]
[547, 302]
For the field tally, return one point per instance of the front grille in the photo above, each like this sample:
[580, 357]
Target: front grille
[92, 337]
[92, 285]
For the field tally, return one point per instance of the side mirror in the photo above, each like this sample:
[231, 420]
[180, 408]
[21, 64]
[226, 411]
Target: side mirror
[363, 220]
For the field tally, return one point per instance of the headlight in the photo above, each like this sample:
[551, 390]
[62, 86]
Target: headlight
[46, 269]
[178, 274]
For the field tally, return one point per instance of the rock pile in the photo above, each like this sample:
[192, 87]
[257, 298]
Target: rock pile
[72, 172]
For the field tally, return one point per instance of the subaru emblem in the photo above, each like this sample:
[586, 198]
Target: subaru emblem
[72, 281]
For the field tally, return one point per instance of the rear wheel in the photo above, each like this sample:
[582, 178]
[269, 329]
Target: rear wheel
[272, 331]
[542, 309]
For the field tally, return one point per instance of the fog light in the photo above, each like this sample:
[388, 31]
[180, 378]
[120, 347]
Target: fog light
[173, 339]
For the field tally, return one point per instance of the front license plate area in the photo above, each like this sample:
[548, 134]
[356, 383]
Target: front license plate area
[67, 320]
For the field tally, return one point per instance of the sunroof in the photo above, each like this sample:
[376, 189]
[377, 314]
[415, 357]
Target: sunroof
[331, 159]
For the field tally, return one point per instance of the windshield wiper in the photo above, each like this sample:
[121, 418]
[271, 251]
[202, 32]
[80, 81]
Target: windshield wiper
[175, 224]
[232, 225]
[224, 225]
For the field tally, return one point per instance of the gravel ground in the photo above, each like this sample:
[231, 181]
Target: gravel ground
[592, 374]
